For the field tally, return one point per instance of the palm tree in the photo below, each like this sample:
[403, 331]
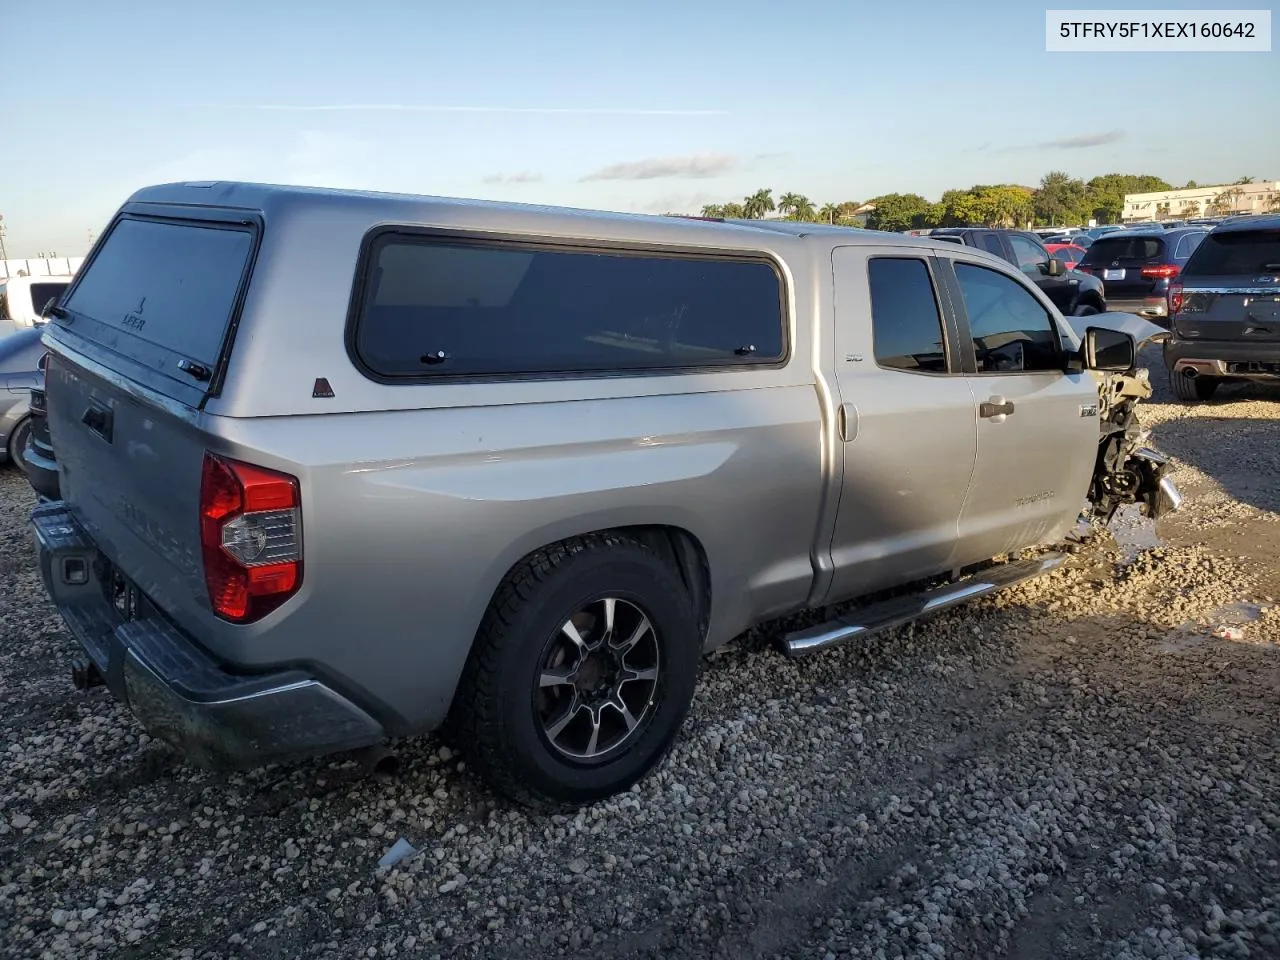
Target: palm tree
[1244, 180]
[758, 204]
[796, 206]
[733, 211]
[830, 212]
[1273, 201]
[713, 210]
[1191, 209]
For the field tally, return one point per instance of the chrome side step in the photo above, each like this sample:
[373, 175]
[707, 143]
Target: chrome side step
[899, 610]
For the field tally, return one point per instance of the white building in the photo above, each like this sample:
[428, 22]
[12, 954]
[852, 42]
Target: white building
[1220, 200]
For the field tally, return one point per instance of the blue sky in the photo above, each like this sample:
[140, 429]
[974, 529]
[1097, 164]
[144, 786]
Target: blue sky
[837, 100]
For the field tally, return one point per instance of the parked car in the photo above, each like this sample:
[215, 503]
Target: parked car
[37, 459]
[1068, 253]
[23, 299]
[1224, 309]
[1138, 265]
[20, 354]
[1072, 293]
[381, 463]
[1080, 239]
[1096, 232]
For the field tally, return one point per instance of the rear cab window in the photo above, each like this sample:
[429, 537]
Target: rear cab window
[432, 307]
[42, 293]
[1236, 253]
[158, 298]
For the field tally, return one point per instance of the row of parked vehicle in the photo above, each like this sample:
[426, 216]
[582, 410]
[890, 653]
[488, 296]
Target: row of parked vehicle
[333, 468]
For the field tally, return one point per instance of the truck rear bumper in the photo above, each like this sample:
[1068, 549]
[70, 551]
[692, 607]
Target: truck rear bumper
[217, 718]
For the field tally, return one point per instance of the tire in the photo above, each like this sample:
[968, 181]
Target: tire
[530, 739]
[1086, 310]
[1193, 389]
[18, 443]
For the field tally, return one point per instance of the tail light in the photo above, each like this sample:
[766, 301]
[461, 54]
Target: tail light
[1161, 271]
[251, 538]
[1175, 298]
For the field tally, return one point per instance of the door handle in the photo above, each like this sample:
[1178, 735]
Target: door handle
[995, 407]
[98, 419]
[847, 417]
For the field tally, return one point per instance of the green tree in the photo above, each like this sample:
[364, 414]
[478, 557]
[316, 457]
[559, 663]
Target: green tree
[1060, 199]
[713, 210]
[733, 211]
[829, 213]
[897, 211]
[1106, 193]
[758, 204]
[1191, 209]
[796, 206]
[1191, 185]
[1244, 180]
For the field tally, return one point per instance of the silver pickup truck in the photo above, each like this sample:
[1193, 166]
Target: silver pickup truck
[341, 467]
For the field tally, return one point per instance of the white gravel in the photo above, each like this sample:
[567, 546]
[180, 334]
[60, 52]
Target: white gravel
[1076, 768]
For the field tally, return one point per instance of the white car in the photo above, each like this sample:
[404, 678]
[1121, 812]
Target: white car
[23, 299]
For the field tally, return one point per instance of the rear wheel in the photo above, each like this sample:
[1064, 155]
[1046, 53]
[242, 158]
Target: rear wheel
[582, 673]
[1193, 388]
[18, 443]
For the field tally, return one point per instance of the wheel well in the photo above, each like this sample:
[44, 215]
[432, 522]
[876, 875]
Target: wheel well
[678, 547]
[8, 441]
[1092, 298]
[683, 551]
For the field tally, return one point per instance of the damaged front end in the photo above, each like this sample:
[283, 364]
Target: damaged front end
[1127, 470]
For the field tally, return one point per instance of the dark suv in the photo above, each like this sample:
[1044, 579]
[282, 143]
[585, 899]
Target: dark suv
[1072, 292]
[1224, 310]
[1138, 265]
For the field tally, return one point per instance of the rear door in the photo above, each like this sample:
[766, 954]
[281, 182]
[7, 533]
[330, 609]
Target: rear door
[906, 428]
[138, 344]
[1037, 426]
[1231, 287]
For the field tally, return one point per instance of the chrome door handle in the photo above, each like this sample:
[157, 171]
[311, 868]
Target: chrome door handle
[995, 407]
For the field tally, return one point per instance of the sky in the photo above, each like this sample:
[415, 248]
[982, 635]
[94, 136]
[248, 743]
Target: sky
[654, 107]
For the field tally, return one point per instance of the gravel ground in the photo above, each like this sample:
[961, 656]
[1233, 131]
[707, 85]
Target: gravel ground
[1075, 768]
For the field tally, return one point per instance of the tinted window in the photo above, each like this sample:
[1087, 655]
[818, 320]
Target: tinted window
[171, 285]
[1187, 244]
[991, 243]
[1124, 248]
[42, 293]
[468, 308]
[905, 322]
[1011, 330]
[1236, 252]
[1027, 254]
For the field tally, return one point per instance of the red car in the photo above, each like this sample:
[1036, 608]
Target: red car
[1068, 253]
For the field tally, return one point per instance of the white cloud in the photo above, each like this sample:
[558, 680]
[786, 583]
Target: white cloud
[693, 167]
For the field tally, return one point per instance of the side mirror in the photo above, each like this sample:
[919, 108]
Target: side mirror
[1054, 268]
[1109, 350]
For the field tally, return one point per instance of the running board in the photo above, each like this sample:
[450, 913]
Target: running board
[899, 610]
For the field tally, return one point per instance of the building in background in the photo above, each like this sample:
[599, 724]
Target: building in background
[1212, 201]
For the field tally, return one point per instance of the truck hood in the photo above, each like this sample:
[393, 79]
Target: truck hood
[1140, 329]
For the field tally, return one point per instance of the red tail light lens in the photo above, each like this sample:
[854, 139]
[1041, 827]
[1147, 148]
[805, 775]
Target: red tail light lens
[1161, 271]
[1175, 298]
[251, 538]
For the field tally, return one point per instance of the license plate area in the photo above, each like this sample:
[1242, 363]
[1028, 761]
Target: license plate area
[121, 592]
[1266, 311]
[1113, 274]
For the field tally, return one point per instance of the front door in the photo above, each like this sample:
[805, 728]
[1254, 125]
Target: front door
[907, 430]
[1037, 426]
